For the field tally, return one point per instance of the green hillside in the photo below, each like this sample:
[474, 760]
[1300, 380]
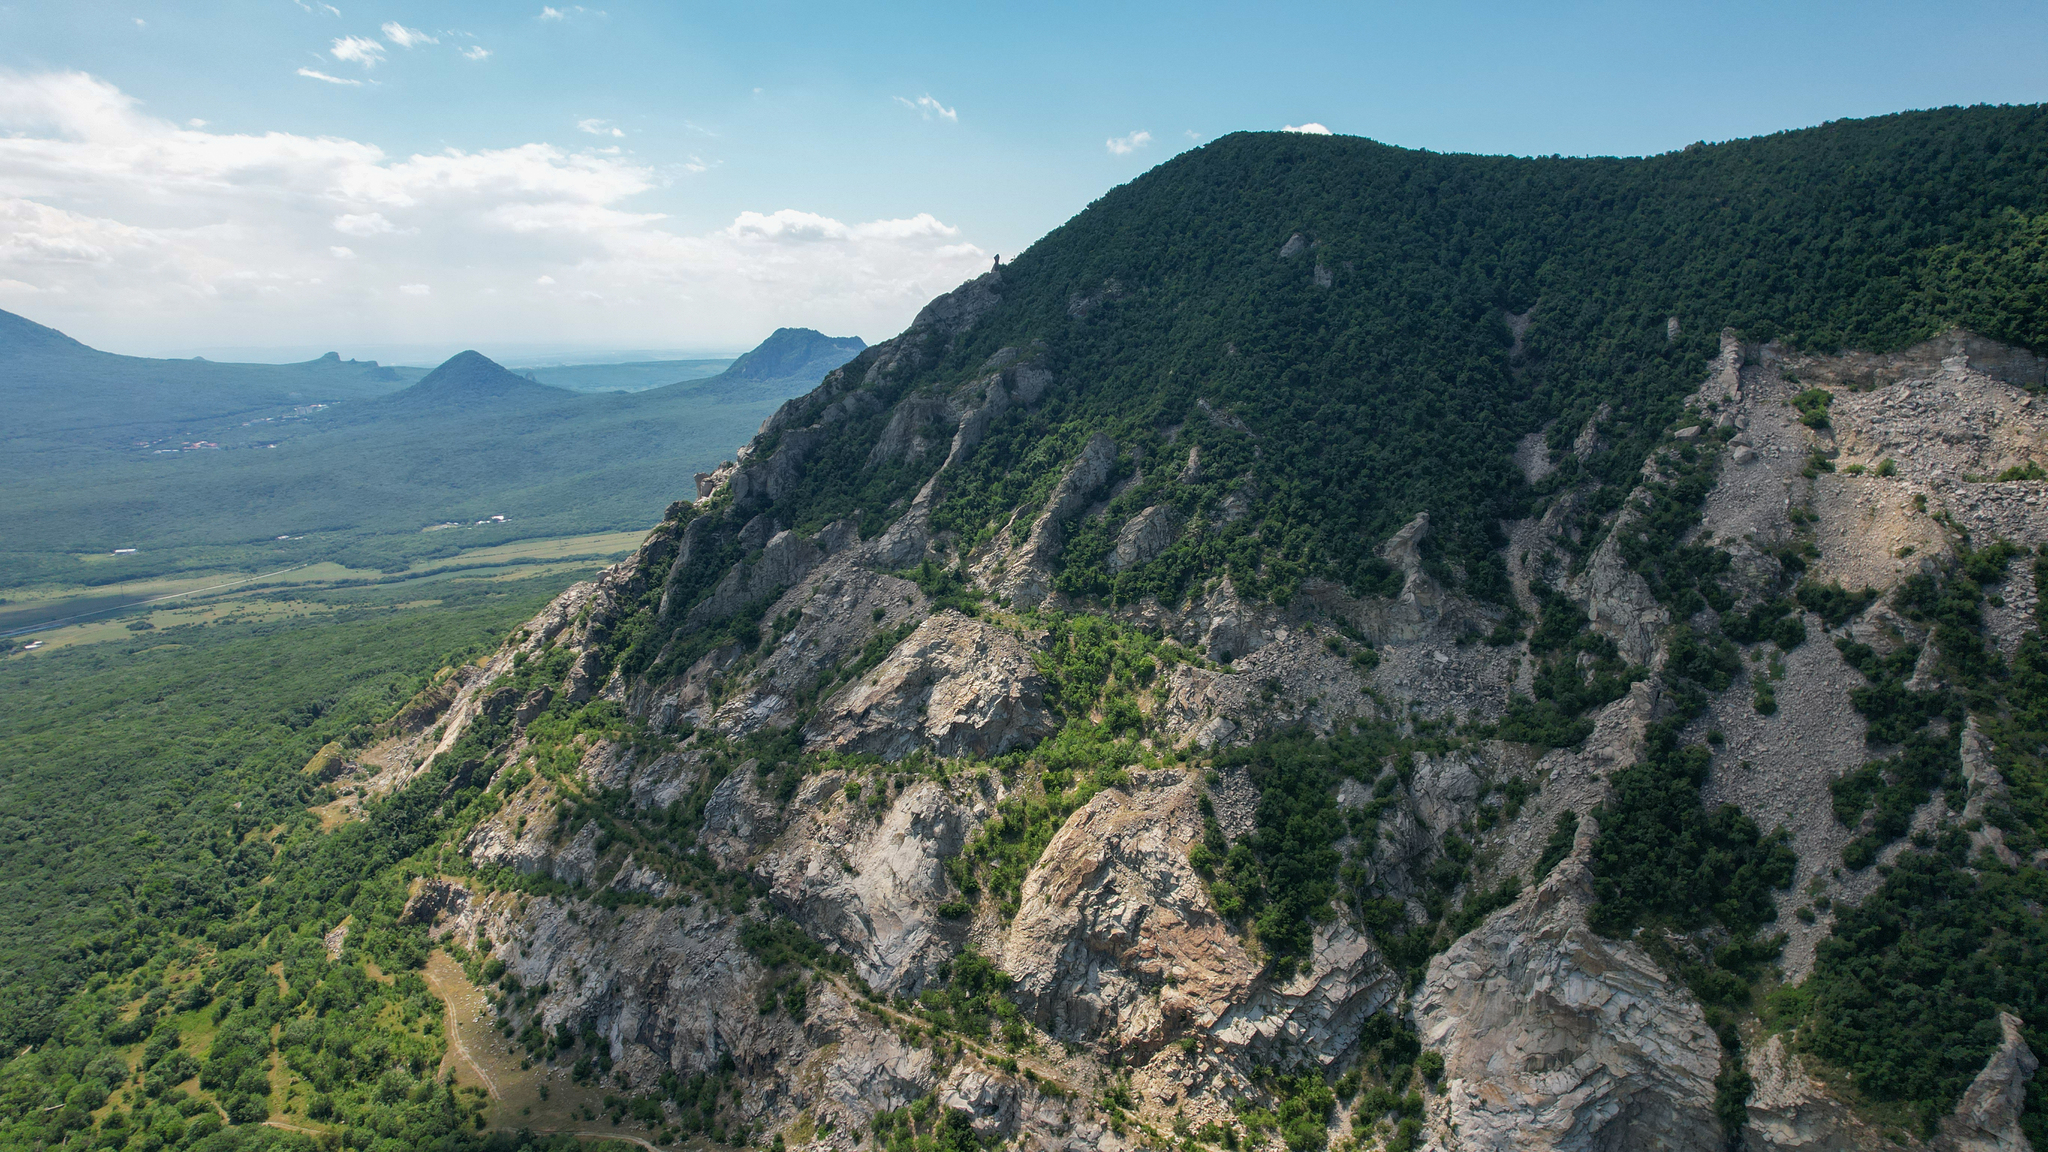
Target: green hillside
[1370, 362]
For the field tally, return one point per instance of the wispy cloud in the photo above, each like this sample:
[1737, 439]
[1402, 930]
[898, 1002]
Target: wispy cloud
[476, 52]
[310, 74]
[1125, 145]
[567, 11]
[141, 23]
[340, 252]
[114, 220]
[598, 127]
[927, 107]
[360, 49]
[318, 9]
[405, 37]
[1311, 128]
[367, 224]
[415, 289]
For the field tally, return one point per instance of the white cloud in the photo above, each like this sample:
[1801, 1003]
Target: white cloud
[476, 52]
[415, 290]
[368, 224]
[310, 74]
[405, 37]
[141, 234]
[1125, 145]
[599, 127]
[195, 122]
[141, 23]
[929, 108]
[318, 9]
[567, 11]
[1311, 128]
[360, 49]
[544, 281]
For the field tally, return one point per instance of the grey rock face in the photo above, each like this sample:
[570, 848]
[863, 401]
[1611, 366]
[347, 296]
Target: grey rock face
[785, 559]
[1790, 1111]
[1556, 1038]
[872, 886]
[957, 685]
[1987, 1118]
[1116, 944]
[1143, 537]
[1029, 575]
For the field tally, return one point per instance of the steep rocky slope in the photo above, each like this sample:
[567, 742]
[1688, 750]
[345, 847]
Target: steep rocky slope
[953, 766]
[1128, 985]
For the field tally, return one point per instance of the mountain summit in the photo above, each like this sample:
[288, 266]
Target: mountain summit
[789, 361]
[473, 380]
[793, 352]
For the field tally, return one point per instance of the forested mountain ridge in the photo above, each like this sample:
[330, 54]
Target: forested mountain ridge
[57, 388]
[1355, 300]
[1333, 644]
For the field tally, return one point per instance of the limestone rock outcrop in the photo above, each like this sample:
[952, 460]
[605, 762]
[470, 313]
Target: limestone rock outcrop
[1555, 1037]
[956, 685]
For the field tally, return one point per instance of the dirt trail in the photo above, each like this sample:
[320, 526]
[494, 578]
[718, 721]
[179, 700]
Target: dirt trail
[598, 1136]
[446, 979]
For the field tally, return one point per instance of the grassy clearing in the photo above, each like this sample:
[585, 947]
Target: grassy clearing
[522, 1093]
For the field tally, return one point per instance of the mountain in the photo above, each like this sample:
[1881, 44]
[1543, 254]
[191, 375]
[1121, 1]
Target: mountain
[348, 480]
[1333, 646]
[790, 361]
[58, 390]
[787, 356]
[469, 382]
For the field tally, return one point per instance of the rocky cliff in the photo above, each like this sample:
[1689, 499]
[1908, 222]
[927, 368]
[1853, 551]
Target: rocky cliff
[874, 736]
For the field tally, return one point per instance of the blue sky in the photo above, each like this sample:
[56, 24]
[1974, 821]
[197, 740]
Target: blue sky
[291, 174]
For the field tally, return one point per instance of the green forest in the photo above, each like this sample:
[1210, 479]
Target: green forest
[143, 785]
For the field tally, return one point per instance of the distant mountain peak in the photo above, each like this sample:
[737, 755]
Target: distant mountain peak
[789, 362]
[472, 378]
[788, 351]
